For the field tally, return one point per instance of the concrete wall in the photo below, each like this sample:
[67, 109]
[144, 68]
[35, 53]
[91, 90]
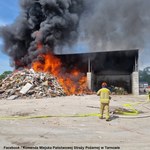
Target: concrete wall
[90, 80]
[135, 83]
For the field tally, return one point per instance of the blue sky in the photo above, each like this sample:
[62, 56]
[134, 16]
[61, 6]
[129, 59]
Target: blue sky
[9, 10]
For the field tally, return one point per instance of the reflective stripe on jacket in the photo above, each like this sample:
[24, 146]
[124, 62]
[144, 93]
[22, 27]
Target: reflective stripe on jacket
[104, 95]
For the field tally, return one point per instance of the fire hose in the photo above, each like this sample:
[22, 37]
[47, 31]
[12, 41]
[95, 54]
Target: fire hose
[131, 112]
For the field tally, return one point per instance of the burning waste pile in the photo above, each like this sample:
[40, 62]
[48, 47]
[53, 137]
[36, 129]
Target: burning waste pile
[28, 83]
[47, 78]
[43, 29]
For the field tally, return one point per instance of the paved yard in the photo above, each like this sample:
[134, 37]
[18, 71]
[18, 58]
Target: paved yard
[122, 132]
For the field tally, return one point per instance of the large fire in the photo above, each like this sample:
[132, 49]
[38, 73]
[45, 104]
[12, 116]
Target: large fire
[73, 82]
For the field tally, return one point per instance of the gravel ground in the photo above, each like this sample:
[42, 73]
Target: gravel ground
[122, 132]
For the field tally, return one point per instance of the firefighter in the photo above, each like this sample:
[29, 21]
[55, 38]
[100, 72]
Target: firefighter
[104, 94]
[148, 94]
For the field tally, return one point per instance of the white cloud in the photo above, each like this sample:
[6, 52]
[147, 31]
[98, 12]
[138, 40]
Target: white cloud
[5, 66]
[144, 60]
[4, 62]
[2, 23]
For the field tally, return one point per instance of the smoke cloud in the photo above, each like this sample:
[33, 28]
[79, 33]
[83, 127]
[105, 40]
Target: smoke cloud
[115, 24]
[54, 25]
[42, 25]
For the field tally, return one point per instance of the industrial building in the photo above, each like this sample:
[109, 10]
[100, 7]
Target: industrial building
[117, 68]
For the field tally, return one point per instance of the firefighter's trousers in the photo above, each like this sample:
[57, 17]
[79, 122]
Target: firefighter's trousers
[104, 107]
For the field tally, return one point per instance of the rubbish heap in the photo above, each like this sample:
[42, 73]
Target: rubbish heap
[30, 84]
[118, 90]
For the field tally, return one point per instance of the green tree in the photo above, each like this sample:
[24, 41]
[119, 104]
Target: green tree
[145, 75]
[5, 74]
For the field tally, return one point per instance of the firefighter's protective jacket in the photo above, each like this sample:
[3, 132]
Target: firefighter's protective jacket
[104, 95]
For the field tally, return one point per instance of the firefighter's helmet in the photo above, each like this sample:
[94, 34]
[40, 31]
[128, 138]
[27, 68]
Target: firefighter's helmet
[104, 84]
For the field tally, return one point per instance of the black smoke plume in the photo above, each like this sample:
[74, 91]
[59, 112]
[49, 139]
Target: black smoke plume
[100, 24]
[47, 22]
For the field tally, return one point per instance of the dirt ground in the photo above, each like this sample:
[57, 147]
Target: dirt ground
[60, 132]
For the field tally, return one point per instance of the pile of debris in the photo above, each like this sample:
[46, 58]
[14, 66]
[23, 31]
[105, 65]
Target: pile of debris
[31, 84]
[118, 90]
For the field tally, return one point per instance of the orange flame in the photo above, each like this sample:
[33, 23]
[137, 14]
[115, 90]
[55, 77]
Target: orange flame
[51, 64]
[73, 82]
